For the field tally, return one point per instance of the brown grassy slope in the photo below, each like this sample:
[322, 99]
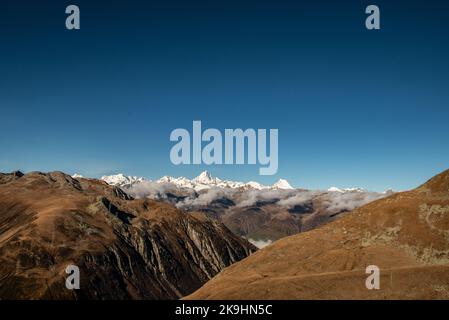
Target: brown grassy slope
[406, 235]
[125, 248]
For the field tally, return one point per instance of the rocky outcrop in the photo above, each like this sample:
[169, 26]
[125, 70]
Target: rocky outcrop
[124, 248]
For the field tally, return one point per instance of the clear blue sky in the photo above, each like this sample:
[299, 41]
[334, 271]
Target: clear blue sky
[353, 107]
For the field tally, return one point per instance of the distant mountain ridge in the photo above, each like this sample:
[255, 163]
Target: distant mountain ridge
[206, 181]
[120, 180]
[203, 181]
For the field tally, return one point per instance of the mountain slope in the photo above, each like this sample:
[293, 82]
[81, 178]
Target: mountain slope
[406, 235]
[125, 248]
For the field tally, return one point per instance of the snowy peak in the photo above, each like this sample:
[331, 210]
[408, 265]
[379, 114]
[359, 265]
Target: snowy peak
[121, 180]
[335, 189]
[206, 178]
[282, 184]
[255, 185]
[344, 190]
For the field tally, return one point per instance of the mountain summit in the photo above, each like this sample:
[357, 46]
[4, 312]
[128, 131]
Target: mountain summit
[204, 177]
[282, 184]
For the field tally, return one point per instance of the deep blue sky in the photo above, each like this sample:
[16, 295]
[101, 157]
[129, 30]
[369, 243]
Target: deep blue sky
[353, 107]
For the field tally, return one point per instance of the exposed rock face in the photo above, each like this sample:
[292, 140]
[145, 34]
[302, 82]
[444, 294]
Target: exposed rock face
[406, 235]
[125, 248]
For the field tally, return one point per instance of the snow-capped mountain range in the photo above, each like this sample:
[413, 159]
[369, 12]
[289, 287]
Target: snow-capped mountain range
[355, 190]
[204, 181]
[121, 180]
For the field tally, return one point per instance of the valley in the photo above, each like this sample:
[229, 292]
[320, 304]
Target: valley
[159, 240]
[260, 213]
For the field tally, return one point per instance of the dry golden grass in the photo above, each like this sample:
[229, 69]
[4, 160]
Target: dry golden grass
[405, 235]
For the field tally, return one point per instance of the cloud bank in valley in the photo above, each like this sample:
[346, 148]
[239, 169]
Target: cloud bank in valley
[332, 201]
[150, 190]
[205, 198]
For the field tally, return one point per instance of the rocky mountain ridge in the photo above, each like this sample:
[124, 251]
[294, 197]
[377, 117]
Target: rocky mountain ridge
[125, 248]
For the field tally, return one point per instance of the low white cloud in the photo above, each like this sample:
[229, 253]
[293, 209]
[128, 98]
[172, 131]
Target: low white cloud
[260, 243]
[330, 202]
[150, 190]
[337, 202]
[251, 197]
[299, 198]
[205, 197]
